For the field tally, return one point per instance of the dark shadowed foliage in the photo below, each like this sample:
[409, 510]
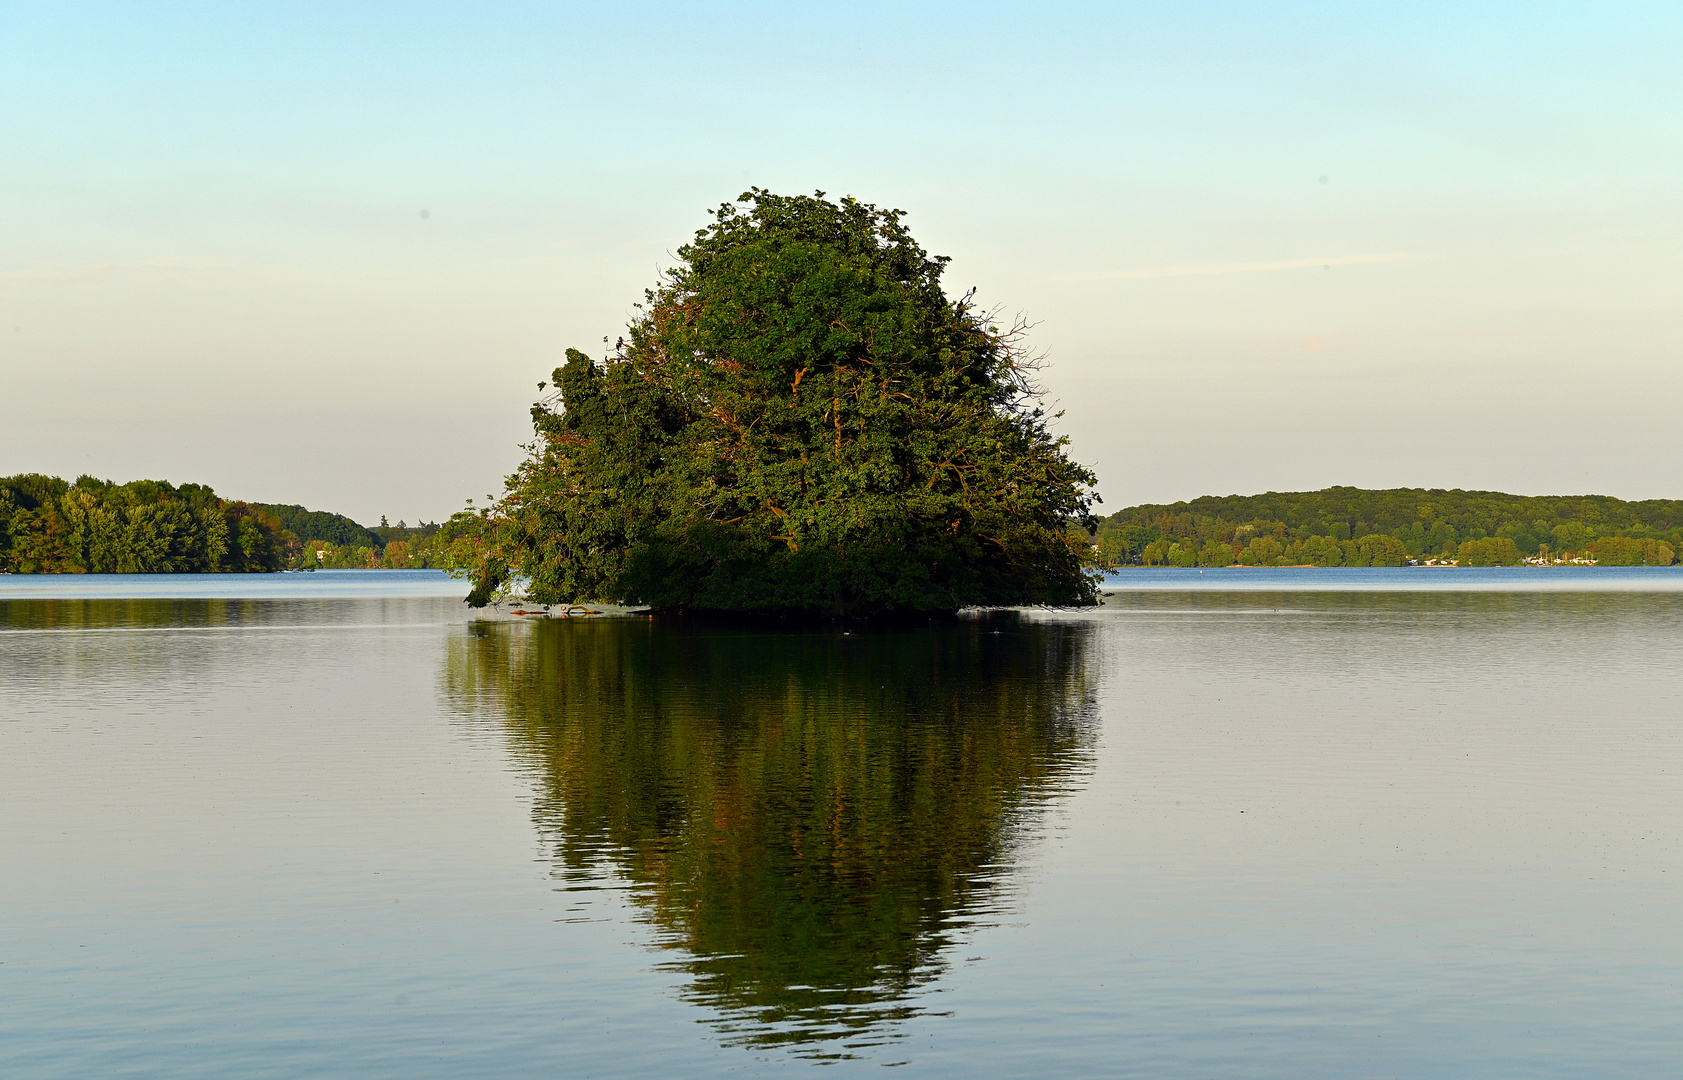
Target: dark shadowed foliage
[800, 421]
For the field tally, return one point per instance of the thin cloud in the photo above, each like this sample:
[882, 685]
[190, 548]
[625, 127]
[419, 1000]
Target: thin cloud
[1212, 269]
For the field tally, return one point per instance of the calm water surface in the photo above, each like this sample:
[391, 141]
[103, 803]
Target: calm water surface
[1197, 832]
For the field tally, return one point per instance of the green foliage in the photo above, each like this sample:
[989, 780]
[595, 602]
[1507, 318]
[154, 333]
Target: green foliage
[1216, 553]
[1391, 528]
[389, 547]
[801, 421]
[1489, 551]
[145, 527]
[1262, 551]
[1628, 551]
[335, 529]
[1322, 551]
[48, 526]
[1572, 536]
[1375, 549]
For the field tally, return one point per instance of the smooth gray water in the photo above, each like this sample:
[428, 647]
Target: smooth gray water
[294, 585]
[1220, 832]
[1399, 579]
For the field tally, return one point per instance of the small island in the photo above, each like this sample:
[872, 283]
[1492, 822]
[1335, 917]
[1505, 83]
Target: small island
[799, 422]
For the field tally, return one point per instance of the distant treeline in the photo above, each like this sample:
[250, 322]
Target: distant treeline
[335, 542]
[93, 526]
[1345, 526]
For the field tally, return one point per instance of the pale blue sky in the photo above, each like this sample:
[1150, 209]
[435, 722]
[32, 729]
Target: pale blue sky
[1267, 246]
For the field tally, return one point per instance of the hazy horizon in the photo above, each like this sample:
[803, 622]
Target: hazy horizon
[324, 256]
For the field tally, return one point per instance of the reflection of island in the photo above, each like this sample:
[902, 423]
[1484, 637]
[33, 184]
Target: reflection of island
[809, 818]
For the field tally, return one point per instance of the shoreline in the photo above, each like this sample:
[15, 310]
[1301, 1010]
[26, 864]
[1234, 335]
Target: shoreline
[1411, 566]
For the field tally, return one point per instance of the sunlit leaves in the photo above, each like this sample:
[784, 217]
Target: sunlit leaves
[800, 421]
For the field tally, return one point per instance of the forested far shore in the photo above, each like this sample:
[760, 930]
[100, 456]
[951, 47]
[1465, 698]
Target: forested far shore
[49, 525]
[1346, 526]
[92, 526]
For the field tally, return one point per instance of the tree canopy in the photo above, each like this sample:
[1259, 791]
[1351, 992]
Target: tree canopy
[1346, 526]
[148, 526]
[799, 420]
[51, 526]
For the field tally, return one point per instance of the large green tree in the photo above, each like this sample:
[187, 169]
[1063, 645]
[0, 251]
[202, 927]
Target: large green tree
[800, 420]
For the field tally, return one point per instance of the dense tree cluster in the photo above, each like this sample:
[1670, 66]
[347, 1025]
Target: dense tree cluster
[321, 525]
[52, 526]
[384, 547]
[149, 526]
[799, 421]
[1346, 526]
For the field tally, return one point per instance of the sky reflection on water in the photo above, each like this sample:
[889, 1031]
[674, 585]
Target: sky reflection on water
[1243, 833]
[287, 586]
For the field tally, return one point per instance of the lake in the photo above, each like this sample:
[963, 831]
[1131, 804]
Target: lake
[1243, 823]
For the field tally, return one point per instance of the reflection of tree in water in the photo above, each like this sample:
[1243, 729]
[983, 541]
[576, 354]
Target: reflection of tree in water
[809, 818]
